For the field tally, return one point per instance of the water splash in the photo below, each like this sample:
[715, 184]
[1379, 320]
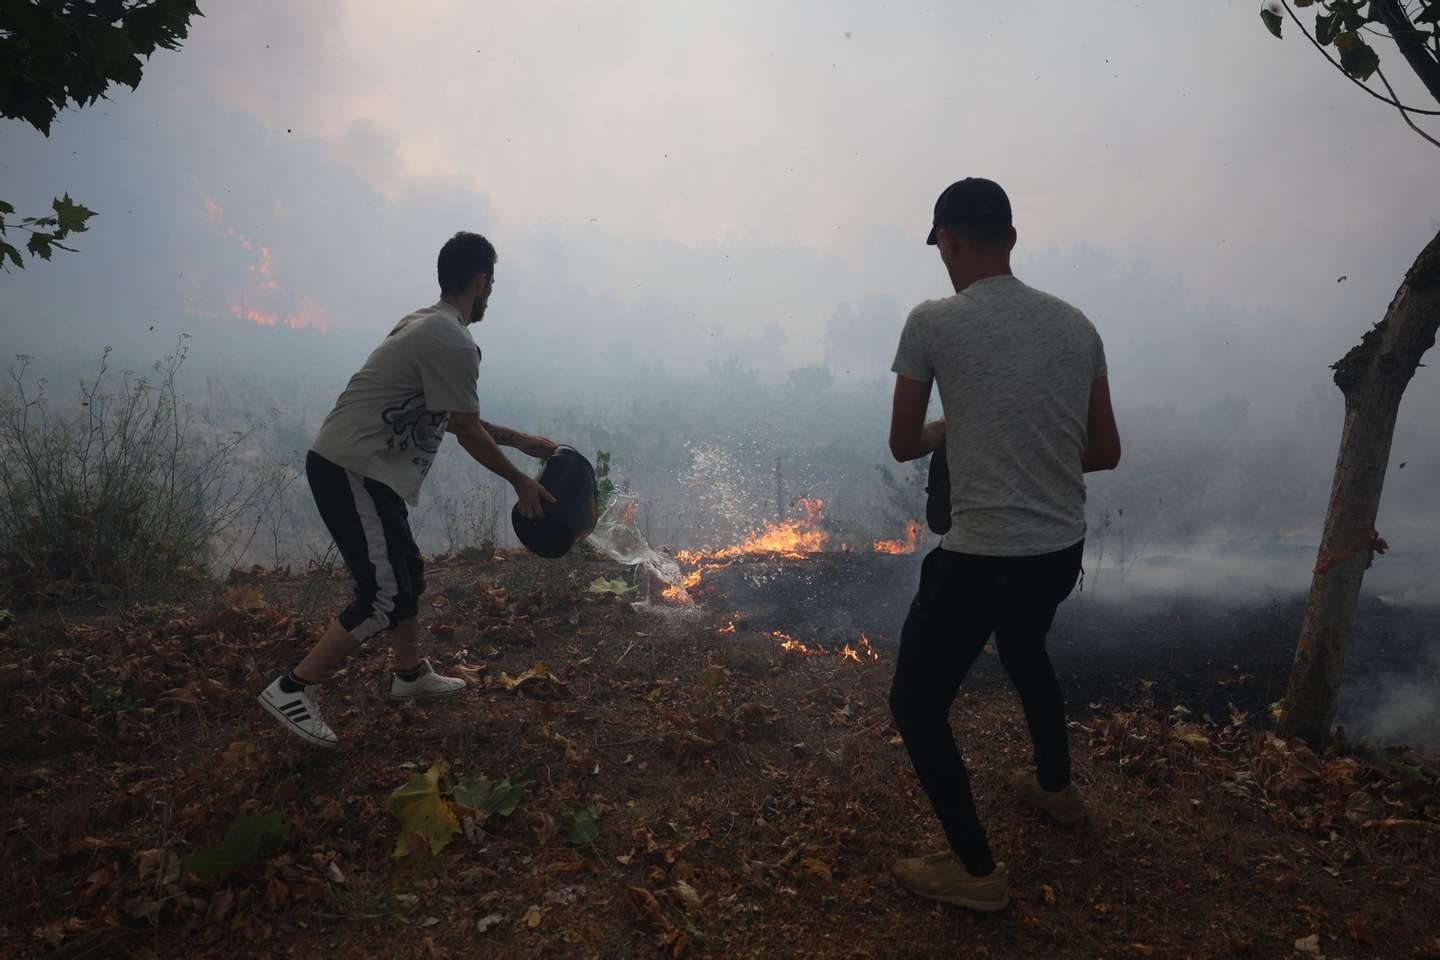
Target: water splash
[619, 538]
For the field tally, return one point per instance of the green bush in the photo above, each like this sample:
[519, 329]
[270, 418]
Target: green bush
[126, 489]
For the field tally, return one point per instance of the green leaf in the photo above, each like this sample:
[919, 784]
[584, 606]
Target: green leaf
[1272, 20]
[1325, 27]
[1303, 3]
[1431, 14]
[490, 798]
[5, 207]
[1357, 57]
[581, 825]
[6, 250]
[71, 216]
[251, 837]
[426, 820]
[39, 245]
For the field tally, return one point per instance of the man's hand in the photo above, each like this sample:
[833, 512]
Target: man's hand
[533, 497]
[542, 447]
[910, 436]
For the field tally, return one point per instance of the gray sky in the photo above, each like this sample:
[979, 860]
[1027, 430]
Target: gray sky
[673, 176]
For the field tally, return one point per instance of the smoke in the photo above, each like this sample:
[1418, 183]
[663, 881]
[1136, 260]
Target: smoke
[1397, 707]
[282, 225]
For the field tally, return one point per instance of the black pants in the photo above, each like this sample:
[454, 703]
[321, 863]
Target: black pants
[371, 527]
[962, 600]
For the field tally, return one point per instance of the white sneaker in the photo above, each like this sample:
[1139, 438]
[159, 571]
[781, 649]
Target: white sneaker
[428, 686]
[298, 713]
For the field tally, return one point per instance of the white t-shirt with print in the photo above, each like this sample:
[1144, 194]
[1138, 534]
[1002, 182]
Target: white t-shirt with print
[390, 419]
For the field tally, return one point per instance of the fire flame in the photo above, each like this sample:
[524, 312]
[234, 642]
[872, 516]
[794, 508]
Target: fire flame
[784, 538]
[791, 645]
[259, 293]
[788, 538]
[914, 530]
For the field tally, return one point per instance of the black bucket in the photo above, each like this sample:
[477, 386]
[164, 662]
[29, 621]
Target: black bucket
[571, 518]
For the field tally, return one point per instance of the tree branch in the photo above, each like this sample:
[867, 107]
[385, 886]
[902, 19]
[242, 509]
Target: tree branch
[1379, 73]
[1406, 37]
[1336, 64]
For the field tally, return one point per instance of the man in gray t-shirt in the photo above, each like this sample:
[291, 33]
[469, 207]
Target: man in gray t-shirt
[368, 461]
[1026, 399]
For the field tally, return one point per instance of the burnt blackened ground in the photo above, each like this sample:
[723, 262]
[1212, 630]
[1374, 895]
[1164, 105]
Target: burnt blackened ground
[1204, 652]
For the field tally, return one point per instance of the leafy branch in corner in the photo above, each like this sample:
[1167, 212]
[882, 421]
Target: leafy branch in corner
[54, 53]
[1343, 25]
[46, 233]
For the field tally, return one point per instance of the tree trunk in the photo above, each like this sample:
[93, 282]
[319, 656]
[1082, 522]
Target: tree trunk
[1373, 377]
[1412, 48]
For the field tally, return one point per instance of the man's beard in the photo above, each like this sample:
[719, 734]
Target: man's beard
[477, 310]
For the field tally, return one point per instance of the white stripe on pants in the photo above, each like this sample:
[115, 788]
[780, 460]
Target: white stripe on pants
[376, 550]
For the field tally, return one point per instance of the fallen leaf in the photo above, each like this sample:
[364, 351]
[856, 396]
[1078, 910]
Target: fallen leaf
[581, 825]
[644, 901]
[249, 838]
[473, 675]
[687, 895]
[538, 681]
[426, 820]
[1049, 894]
[1310, 944]
[532, 917]
[489, 798]
[818, 868]
[1190, 734]
[603, 587]
[489, 922]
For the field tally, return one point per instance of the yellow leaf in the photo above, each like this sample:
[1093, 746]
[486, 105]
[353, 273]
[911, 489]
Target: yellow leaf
[425, 818]
[1189, 733]
[537, 672]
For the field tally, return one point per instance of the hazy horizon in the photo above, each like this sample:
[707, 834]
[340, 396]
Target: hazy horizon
[705, 213]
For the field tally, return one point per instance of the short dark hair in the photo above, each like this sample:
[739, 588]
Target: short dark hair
[464, 257]
[995, 235]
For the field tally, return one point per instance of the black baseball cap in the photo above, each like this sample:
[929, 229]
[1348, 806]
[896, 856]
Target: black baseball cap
[973, 200]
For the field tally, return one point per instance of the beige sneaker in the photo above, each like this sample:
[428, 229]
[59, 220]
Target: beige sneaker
[1064, 806]
[942, 877]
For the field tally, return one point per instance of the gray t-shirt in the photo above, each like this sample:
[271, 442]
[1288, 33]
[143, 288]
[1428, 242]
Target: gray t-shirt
[390, 419]
[1014, 367]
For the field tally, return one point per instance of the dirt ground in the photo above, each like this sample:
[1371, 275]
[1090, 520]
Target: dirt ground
[749, 801]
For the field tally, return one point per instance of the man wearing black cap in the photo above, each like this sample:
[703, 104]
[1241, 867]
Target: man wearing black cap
[1027, 413]
[368, 461]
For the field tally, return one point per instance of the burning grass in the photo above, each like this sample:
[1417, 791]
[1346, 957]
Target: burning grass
[690, 789]
[794, 539]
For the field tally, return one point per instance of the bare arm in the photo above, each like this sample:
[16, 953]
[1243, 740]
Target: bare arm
[470, 430]
[910, 436]
[541, 447]
[1102, 437]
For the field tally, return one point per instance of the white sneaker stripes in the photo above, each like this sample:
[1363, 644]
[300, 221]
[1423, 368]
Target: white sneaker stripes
[298, 713]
